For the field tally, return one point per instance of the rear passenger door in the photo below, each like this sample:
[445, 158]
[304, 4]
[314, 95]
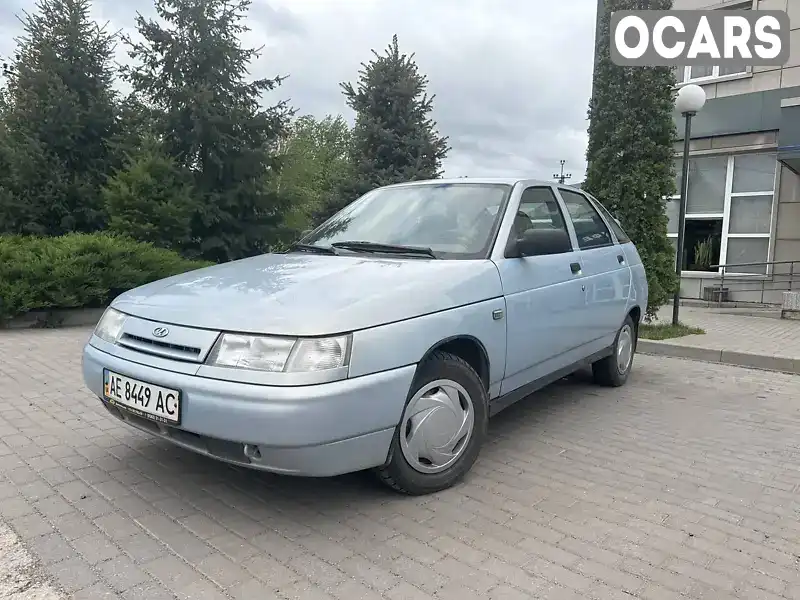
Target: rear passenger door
[605, 266]
[637, 294]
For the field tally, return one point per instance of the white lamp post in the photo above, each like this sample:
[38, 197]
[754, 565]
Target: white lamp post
[690, 100]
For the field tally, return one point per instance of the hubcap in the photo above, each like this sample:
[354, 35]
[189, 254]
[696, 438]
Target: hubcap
[437, 426]
[624, 349]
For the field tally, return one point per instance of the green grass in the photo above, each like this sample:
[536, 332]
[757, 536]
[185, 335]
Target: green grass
[665, 331]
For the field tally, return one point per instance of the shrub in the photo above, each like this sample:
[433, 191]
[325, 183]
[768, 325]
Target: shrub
[78, 270]
[151, 200]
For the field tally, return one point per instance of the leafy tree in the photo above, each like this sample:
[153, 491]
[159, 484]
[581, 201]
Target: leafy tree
[316, 163]
[150, 200]
[59, 115]
[191, 71]
[394, 139]
[630, 152]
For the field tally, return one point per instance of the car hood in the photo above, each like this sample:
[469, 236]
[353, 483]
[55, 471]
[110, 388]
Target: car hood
[309, 294]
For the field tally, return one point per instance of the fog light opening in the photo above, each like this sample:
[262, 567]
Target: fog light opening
[252, 452]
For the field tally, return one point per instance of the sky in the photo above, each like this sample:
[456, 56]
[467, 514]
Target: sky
[512, 78]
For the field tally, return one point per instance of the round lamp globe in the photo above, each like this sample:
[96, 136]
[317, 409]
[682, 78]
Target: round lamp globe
[691, 98]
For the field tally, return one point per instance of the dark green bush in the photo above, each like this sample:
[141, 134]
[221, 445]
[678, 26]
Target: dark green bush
[151, 199]
[78, 270]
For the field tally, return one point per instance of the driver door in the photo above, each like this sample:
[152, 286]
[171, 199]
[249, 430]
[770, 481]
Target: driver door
[542, 296]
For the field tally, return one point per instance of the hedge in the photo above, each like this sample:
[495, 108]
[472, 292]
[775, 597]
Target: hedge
[78, 270]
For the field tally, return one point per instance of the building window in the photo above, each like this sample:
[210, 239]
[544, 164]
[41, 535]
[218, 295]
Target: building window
[700, 74]
[728, 212]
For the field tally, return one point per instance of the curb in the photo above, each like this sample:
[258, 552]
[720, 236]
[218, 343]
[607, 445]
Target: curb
[64, 317]
[734, 358]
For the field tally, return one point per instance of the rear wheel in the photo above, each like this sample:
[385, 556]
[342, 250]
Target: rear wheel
[442, 428]
[613, 371]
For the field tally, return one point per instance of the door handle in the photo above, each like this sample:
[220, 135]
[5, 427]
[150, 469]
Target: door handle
[620, 259]
[576, 268]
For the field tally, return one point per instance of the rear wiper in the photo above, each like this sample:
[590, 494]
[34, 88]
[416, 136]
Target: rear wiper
[358, 246]
[313, 248]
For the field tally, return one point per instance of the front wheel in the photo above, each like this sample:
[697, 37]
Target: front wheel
[442, 428]
[613, 371]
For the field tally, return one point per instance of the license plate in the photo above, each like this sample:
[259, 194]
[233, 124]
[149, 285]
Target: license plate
[141, 398]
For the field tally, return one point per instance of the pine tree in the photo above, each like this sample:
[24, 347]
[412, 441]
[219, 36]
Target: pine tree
[394, 139]
[630, 152]
[59, 116]
[192, 72]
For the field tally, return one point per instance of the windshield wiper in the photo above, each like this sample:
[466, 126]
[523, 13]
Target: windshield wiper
[313, 248]
[358, 246]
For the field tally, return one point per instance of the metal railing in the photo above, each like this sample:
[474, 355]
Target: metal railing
[776, 277]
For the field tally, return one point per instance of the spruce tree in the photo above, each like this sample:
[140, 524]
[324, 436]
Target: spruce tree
[630, 152]
[192, 71]
[59, 118]
[395, 138]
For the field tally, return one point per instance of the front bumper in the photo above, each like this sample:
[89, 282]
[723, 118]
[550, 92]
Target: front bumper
[316, 430]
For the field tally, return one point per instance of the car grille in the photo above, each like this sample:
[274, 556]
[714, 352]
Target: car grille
[160, 348]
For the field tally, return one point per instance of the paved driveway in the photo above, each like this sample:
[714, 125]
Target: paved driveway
[683, 482]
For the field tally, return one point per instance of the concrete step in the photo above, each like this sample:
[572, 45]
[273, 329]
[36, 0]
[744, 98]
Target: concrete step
[674, 349]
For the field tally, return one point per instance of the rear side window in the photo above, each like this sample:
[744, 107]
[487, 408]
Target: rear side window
[538, 209]
[589, 226]
[616, 227]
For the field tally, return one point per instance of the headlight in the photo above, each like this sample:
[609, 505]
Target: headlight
[318, 355]
[110, 325]
[262, 353]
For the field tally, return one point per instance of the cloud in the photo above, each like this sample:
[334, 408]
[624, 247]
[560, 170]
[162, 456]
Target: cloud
[512, 79]
[10, 26]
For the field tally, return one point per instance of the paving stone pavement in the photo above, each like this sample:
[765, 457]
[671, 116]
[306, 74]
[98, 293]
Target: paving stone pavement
[741, 333]
[684, 482]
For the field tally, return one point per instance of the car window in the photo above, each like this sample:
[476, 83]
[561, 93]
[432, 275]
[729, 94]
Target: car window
[455, 220]
[589, 226]
[538, 209]
[622, 237]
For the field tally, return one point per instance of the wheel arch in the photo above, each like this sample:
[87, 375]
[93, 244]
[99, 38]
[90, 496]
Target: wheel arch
[467, 347]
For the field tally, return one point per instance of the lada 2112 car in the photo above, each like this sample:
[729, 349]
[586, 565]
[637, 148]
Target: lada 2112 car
[385, 338]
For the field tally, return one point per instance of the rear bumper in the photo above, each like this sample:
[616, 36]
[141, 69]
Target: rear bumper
[316, 430]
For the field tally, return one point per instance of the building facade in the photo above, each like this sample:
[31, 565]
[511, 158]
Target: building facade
[743, 205]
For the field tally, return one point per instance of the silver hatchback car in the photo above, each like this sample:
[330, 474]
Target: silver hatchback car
[385, 339]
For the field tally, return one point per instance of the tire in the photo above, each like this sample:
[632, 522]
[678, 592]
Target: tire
[609, 371]
[450, 394]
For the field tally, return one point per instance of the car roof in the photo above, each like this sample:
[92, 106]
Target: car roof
[484, 180]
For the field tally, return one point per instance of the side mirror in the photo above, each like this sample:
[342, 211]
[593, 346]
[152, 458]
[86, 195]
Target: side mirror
[538, 242]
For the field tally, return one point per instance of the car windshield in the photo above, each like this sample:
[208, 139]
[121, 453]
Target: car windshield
[454, 220]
